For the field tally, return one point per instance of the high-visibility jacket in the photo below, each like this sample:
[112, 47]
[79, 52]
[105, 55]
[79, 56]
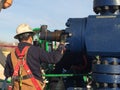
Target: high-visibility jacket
[27, 80]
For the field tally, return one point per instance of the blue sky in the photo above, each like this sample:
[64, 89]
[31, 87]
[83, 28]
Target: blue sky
[53, 13]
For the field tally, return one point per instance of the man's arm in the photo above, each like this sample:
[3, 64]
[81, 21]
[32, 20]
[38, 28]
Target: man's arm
[54, 56]
[8, 70]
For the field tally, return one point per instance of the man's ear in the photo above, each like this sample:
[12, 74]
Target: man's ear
[31, 39]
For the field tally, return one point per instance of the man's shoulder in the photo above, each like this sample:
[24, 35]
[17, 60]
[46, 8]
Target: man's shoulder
[32, 47]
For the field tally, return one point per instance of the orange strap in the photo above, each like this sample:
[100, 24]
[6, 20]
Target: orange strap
[22, 61]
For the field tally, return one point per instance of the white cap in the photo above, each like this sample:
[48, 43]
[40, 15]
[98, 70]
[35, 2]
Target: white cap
[23, 28]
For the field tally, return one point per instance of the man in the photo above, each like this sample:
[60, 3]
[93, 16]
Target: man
[35, 56]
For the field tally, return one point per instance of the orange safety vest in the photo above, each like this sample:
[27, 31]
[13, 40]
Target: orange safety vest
[23, 78]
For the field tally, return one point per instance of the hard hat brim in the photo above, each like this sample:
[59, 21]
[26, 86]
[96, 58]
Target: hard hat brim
[16, 36]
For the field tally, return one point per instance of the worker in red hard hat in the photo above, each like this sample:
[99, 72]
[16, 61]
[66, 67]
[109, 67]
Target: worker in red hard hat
[29, 57]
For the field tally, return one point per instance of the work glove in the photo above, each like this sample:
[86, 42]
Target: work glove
[62, 48]
[62, 44]
[63, 39]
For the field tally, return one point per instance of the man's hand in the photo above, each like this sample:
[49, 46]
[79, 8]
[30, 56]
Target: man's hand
[62, 47]
[63, 39]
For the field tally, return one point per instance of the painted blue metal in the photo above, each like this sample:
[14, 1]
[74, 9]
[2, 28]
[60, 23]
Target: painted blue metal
[102, 68]
[98, 3]
[98, 35]
[108, 89]
[106, 78]
[108, 72]
[102, 35]
[76, 26]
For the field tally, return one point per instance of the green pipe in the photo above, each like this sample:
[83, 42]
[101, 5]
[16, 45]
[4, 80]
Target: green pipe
[57, 75]
[63, 75]
[36, 29]
[47, 46]
[8, 81]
